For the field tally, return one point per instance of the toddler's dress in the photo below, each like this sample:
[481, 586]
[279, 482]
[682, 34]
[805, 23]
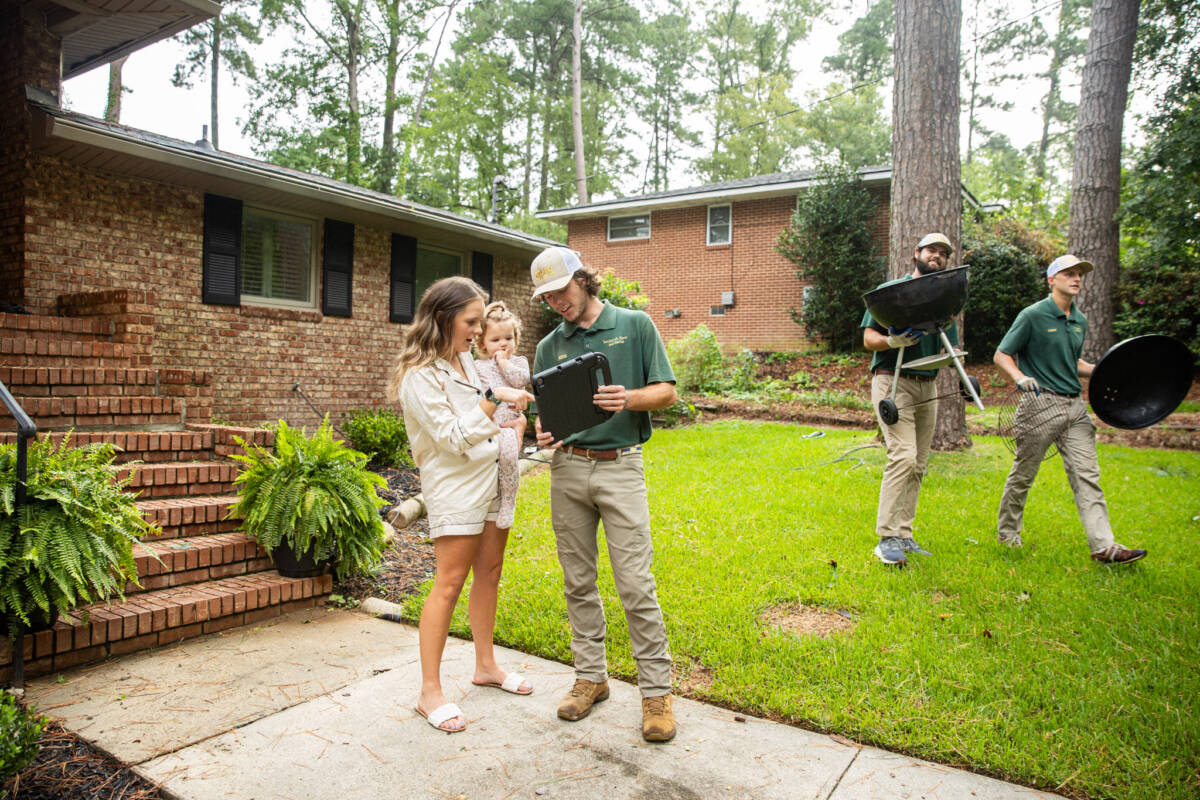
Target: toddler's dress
[516, 375]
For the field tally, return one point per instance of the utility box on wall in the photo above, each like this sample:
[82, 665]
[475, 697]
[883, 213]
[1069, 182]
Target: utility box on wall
[727, 299]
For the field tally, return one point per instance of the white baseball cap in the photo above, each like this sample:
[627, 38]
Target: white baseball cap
[552, 269]
[1066, 262]
[935, 238]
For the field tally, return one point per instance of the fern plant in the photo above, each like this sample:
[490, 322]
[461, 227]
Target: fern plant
[73, 541]
[312, 493]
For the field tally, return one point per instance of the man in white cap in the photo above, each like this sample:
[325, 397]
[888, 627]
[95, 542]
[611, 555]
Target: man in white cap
[1041, 355]
[908, 439]
[597, 474]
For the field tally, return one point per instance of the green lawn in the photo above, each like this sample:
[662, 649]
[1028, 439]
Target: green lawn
[1035, 665]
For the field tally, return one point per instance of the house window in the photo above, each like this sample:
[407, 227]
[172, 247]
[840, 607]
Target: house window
[636, 227]
[278, 267]
[433, 265]
[716, 311]
[720, 226]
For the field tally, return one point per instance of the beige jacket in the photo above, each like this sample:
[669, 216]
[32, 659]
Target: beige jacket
[454, 443]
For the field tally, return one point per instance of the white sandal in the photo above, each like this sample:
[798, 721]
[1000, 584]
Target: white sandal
[512, 684]
[443, 714]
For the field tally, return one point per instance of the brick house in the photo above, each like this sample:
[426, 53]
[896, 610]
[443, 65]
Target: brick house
[707, 254]
[254, 275]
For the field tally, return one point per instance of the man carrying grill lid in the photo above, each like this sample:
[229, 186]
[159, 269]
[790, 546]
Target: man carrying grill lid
[908, 439]
[1041, 355]
[597, 475]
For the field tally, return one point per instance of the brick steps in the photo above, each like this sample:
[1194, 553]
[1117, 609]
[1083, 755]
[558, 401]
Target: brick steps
[180, 478]
[182, 517]
[164, 616]
[84, 413]
[94, 373]
[36, 326]
[146, 446]
[30, 352]
[176, 562]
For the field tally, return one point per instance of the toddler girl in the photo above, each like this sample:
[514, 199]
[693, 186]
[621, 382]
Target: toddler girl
[502, 367]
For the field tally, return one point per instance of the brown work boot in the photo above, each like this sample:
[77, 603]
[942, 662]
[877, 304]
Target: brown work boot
[658, 721]
[579, 701]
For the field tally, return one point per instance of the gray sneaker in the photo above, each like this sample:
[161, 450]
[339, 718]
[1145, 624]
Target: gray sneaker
[911, 546]
[890, 551]
[1011, 541]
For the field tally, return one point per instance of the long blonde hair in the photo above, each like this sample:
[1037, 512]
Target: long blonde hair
[495, 313]
[429, 334]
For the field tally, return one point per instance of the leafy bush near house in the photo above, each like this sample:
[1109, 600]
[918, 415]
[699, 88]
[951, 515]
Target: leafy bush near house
[73, 543]
[829, 241]
[380, 434]
[1159, 298]
[681, 411]
[20, 731]
[1008, 268]
[697, 360]
[312, 493]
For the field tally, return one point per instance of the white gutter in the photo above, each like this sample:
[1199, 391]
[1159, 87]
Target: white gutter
[269, 177]
[698, 198]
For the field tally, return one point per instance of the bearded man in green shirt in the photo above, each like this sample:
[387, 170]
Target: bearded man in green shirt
[1041, 355]
[597, 474]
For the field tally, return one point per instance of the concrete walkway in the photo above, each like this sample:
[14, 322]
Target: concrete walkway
[317, 704]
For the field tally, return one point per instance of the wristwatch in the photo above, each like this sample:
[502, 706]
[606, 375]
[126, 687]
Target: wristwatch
[490, 396]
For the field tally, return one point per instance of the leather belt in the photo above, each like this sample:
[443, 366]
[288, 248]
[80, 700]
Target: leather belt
[600, 455]
[921, 378]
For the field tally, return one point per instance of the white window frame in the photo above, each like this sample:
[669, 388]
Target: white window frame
[313, 258]
[612, 238]
[708, 240]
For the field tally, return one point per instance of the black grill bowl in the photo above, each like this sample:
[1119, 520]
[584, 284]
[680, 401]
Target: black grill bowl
[923, 302]
[1140, 381]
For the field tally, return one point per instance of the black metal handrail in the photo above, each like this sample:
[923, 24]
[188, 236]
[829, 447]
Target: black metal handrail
[26, 430]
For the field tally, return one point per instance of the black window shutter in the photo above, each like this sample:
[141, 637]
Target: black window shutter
[337, 277]
[481, 270]
[222, 258]
[402, 303]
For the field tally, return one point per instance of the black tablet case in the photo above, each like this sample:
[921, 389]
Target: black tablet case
[564, 394]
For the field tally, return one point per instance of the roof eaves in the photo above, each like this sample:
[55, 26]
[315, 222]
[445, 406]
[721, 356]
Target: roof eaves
[81, 129]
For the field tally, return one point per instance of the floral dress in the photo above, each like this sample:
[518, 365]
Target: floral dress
[516, 375]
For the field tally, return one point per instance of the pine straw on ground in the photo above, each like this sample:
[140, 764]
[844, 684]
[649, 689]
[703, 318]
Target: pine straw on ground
[67, 768]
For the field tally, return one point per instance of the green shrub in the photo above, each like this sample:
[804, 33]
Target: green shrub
[802, 380]
[697, 361]
[779, 357]
[829, 241]
[681, 411]
[1008, 268]
[1159, 298]
[380, 433]
[74, 543]
[312, 493]
[742, 371]
[20, 731]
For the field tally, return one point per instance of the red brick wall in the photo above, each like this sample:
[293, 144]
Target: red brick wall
[677, 270]
[28, 55]
[92, 231]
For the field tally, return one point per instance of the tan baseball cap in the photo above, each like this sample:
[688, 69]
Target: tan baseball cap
[935, 238]
[1066, 262]
[552, 269]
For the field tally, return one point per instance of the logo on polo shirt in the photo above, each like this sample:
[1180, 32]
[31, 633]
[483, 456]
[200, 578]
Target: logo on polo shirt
[616, 340]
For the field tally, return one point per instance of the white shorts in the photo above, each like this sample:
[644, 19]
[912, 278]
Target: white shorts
[464, 523]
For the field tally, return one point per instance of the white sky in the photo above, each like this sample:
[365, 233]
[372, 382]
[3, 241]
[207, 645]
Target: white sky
[155, 105]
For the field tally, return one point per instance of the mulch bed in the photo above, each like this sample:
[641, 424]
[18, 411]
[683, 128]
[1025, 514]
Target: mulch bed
[69, 769]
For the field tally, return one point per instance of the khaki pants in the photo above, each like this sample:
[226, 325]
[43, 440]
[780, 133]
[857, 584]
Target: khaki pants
[583, 492]
[1065, 422]
[907, 443]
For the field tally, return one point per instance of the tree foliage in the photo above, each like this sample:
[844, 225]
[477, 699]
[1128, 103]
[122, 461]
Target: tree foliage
[829, 241]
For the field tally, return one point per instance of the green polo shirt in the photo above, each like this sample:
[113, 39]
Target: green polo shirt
[928, 345]
[636, 357]
[1047, 344]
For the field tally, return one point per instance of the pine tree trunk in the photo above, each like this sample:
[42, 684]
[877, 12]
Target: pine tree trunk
[112, 109]
[926, 172]
[577, 104]
[1096, 178]
[214, 84]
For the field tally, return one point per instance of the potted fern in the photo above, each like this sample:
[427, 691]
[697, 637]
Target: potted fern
[311, 502]
[72, 541]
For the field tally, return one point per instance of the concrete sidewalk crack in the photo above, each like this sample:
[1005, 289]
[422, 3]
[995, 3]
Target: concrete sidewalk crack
[849, 764]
